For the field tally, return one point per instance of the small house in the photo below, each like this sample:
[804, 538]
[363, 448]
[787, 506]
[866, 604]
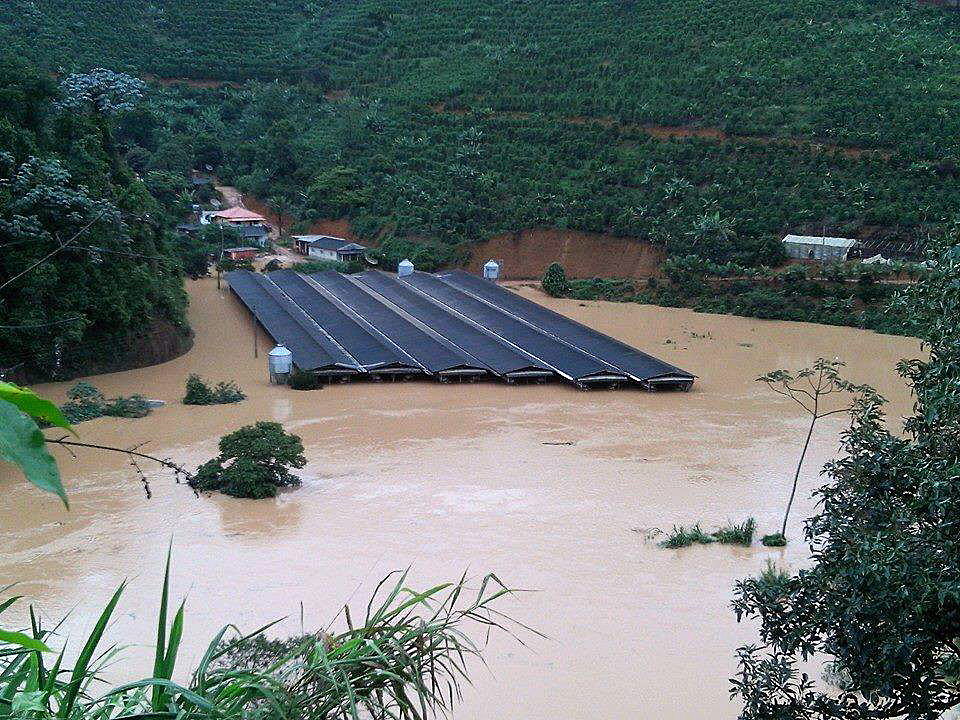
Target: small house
[818, 248]
[188, 228]
[238, 216]
[241, 253]
[328, 247]
[258, 235]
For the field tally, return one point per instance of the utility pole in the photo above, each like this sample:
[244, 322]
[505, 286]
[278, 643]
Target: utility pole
[253, 323]
[220, 259]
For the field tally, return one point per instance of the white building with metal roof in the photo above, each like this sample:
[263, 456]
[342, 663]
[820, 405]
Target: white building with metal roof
[817, 247]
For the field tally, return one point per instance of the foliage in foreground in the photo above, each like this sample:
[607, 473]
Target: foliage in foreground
[882, 597]
[199, 393]
[407, 659]
[254, 462]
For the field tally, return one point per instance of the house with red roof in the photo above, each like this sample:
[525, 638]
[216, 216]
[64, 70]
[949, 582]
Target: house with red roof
[238, 216]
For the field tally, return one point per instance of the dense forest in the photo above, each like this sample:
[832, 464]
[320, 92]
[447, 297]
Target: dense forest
[710, 129]
[89, 277]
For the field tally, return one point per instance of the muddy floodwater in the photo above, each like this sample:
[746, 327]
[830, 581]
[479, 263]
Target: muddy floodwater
[551, 488]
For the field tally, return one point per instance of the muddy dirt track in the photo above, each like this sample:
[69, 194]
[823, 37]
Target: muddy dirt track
[447, 478]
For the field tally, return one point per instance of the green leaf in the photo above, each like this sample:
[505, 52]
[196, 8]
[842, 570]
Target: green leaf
[22, 444]
[86, 655]
[34, 405]
[24, 641]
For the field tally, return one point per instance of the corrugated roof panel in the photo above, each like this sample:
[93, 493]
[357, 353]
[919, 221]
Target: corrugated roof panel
[567, 360]
[637, 364]
[287, 324]
[493, 352]
[433, 353]
[368, 350]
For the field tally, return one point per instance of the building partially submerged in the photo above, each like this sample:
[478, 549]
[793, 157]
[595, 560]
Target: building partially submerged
[240, 253]
[443, 326]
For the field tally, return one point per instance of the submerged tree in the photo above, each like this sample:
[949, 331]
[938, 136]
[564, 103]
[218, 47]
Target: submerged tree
[254, 462]
[809, 388]
[881, 600]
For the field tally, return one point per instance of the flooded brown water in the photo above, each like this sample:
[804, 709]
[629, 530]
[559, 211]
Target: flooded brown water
[447, 478]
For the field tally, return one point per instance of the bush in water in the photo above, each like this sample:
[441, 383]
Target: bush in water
[303, 380]
[681, 537]
[199, 393]
[741, 534]
[253, 462]
[86, 402]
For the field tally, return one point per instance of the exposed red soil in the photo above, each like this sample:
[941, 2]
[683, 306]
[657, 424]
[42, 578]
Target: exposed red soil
[522, 255]
[328, 226]
[526, 254]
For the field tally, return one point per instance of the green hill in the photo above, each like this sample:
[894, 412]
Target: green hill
[875, 73]
[707, 127]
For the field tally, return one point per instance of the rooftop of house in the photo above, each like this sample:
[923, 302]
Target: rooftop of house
[329, 242]
[238, 214]
[254, 230]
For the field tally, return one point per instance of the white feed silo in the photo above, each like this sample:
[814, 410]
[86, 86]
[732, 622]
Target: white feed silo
[405, 268]
[491, 271]
[281, 363]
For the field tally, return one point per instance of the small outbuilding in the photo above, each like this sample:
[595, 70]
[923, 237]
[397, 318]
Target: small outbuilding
[258, 235]
[818, 248]
[328, 247]
[241, 253]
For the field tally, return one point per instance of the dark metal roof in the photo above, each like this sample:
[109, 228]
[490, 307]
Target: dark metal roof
[446, 324]
[434, 353]
[567, 360]
[637, 364]
[287, 324]
[367, 349]
[248, 231]
[493, 352]
[328, 242]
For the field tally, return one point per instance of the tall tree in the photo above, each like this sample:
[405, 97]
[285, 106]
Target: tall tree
[881, 600]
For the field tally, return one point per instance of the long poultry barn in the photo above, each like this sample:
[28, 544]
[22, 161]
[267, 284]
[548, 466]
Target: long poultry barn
[446, 326]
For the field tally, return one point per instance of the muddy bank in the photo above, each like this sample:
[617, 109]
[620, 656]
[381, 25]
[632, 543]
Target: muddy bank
[526, 254]
[445, 478]
[159, 342]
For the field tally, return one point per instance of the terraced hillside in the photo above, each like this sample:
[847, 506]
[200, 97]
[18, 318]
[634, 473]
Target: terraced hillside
[879, 73]
[705, 128]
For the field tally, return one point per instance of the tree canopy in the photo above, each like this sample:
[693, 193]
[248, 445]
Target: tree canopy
[881, 601]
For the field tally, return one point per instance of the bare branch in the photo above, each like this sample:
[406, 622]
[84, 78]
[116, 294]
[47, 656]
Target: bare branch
[133, 454]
